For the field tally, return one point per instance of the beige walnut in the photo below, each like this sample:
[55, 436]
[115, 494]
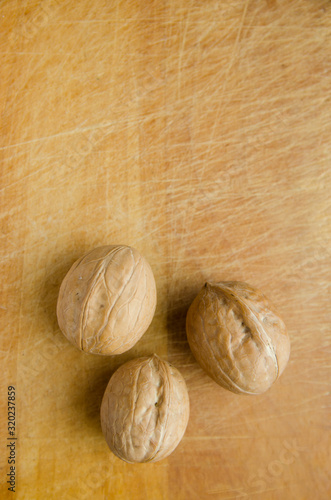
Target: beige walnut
[145, 410]
[107, 300]
[237, 337]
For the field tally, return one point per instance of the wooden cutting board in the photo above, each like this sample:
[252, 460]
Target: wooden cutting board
[199, 133]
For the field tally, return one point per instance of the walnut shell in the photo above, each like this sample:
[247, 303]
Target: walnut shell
[145, 410]
[237, 337]
[107, 300]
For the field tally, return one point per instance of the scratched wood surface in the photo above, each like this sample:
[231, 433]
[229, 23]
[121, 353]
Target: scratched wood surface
[199, 133]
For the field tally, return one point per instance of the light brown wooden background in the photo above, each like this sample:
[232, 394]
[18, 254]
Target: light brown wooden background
[198, 132]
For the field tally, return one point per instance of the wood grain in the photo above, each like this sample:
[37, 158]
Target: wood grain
[199, 133]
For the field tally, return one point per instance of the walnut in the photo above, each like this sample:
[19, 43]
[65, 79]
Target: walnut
[107, 300]
[145, 410]
[237, 337]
